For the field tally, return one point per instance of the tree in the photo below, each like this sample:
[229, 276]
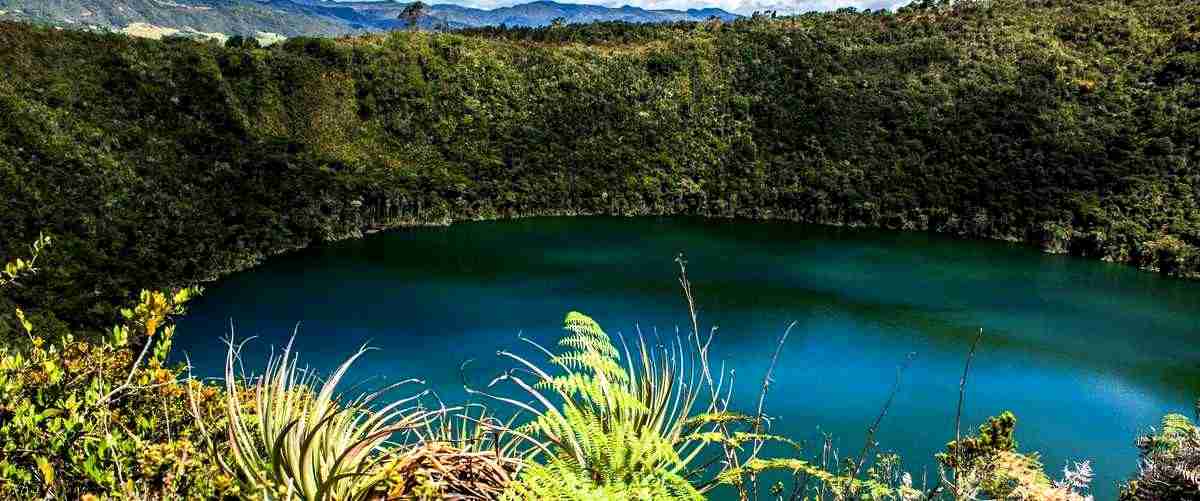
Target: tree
[413, 13]
[241, 42]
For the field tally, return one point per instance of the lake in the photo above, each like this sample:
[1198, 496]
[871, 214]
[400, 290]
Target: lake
[1087, 354]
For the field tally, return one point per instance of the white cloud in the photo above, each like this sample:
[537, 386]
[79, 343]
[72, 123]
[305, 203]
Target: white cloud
[738, 6]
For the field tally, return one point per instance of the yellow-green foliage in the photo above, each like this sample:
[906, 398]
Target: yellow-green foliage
[290, 435]
[615, 428]
[989, 465]
[19, 267]
[997, 435]
[562, 481]
[852, 487]
[1170, 463]
[79, 418]
[110, 419]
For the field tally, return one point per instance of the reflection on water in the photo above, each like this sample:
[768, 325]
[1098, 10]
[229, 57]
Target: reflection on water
[1087, 354]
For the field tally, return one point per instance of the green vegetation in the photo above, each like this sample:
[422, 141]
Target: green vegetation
[1170, 463]
[287, 435]
[989, 466]
[80, 417]
[619, 429]
[1067, 124]
[90, 420]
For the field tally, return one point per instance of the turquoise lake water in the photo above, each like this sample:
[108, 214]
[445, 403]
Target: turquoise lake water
[1087, 354]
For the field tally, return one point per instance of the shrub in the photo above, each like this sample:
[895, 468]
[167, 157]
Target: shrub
[242, 42]
[1169, 467]
[80, 418]
[989, 465]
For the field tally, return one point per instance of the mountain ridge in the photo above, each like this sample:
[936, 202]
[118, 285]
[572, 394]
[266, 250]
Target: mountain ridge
[290, 18]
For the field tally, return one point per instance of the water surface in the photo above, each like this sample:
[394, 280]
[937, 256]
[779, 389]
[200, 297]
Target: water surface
[1087, 354]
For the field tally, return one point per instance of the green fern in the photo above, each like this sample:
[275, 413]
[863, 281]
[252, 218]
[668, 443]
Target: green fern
[1176, 428]
[842, 485]
[1175, 425]
[617, 423]
[558, 481]
[614, 426]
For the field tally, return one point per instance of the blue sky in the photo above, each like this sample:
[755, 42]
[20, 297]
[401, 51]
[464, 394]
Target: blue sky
[738, 6]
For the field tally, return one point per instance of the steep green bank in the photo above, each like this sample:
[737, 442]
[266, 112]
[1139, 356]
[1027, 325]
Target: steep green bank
[1068, 124]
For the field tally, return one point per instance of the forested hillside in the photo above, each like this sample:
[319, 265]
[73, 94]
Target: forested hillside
[1068, 124]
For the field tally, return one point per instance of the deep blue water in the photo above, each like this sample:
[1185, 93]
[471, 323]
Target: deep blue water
[1087, 354]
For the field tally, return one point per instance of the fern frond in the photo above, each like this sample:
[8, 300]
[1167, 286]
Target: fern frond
[616, 425]
[860, 489]
[700, 420]
[1177, 425]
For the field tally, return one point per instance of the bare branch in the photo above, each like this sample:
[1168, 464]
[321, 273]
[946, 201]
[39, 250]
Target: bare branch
[870, 441]
[962, 394]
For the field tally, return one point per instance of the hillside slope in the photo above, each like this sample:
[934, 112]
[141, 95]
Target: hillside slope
[230, 17]
[1068, 124]
[315, 17]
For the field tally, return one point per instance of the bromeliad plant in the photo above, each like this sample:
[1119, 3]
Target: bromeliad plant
[291, 436]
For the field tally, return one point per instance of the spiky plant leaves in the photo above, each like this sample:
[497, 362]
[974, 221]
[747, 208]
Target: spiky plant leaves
[613, 427]
[291, 436]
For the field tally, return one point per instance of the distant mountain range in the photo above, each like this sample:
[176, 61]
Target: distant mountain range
[273, 18]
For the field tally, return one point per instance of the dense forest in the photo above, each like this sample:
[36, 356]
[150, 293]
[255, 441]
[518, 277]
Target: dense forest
[131, 169]
[1067, 124]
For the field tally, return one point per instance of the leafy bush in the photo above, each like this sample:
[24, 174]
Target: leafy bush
[989, 466]
[80, 418]
[241, 42]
